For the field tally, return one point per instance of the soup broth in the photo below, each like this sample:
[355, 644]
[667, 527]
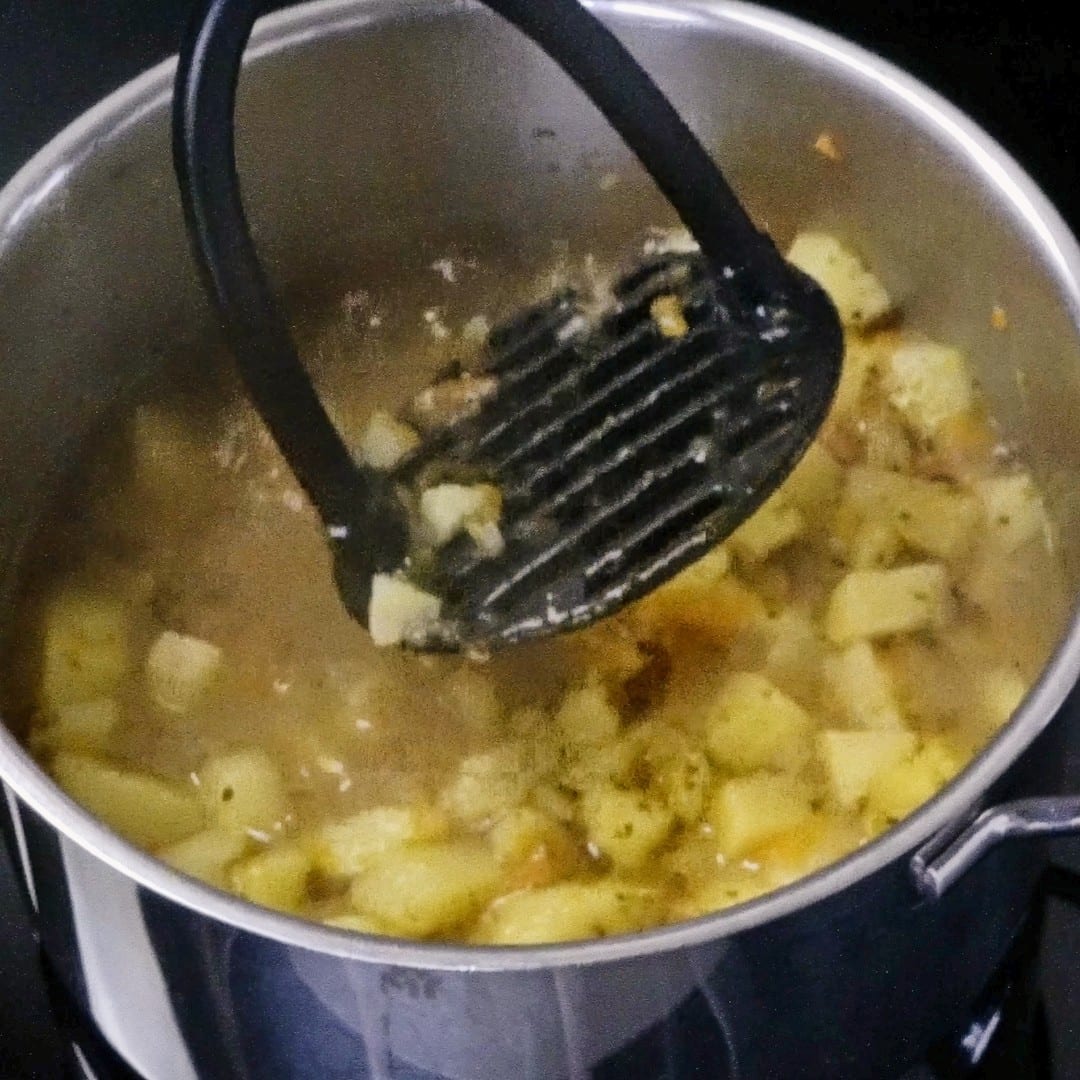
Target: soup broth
[189, 674]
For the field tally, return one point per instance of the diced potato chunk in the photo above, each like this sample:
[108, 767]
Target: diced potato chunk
[1015, 513]
[207, 855]
[814, 483]
[681, 778]
[568, 911]
[773, 526]
[754, 725]
[276, 878]
[748, 810]
[862, 687]
[386, 440]
[181, 669]
[876, 603]
[930, 516]
[85, 725]
[243, 790]
[487, 784]
[422, 889]
[516, 834]
[448, 509]
[627, 826]
[1001, 692]
[853, 758]
[343, 848]
[928, 383]
[85, 652]
[587, 716]
[400, 611]
[859, 297]
[667, 314]
[901, 788]
[144, 809]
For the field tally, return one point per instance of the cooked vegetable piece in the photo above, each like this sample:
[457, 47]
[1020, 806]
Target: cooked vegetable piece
[748, 810]
[84, 725]
[929, 384]
[346, 847]
[853, 758]
[626, 826]
[399, 610]
[1015, 513]
[753, 725]
[144, 809]
[207, 855]
[276, 878]
[772, 527]
[427, 887]
[85, 652]
[859, 297]
[243, 790]
[877, 603]
[386, 440]
[449, 509]
[180, 670]
[568, 911]
[863, 687]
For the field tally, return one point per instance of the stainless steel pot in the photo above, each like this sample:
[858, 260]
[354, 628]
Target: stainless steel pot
[377, 135]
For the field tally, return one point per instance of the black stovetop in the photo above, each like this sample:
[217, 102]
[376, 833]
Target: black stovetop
[1014, 73]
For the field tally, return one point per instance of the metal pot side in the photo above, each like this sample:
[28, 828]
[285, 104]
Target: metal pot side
[414, 128]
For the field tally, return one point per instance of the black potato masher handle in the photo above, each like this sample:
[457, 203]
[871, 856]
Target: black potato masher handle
[365, 522]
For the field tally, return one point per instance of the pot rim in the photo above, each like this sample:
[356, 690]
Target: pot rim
[43, 178]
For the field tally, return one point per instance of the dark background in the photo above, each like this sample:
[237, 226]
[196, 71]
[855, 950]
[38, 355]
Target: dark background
[1014, 72]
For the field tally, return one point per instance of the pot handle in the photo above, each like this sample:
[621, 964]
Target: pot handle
[948, 855]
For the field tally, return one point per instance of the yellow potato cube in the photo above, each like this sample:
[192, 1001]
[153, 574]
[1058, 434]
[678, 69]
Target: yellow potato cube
[568, 911]
[144, 809]
[344, 848]
[487, 784]
[1015, 513]
[399, 610]
[85, 652]
[207, 855]
[1001, 691]
[85, 725]
[852, 759]
[425, 888]
[243, 790]
[862, 687]
[448, 509]
[749, 810]
[877, 603]
[516, 834]
[587, 716]
[626, 826]
[859, 297]
[754, 725]
[180, 670]
[930, 516]
[681, 780]
[773, 526]
[385, 441]
[814, 483]
[928, 383]
[667, 313]
[276, 878]
[901, 788]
